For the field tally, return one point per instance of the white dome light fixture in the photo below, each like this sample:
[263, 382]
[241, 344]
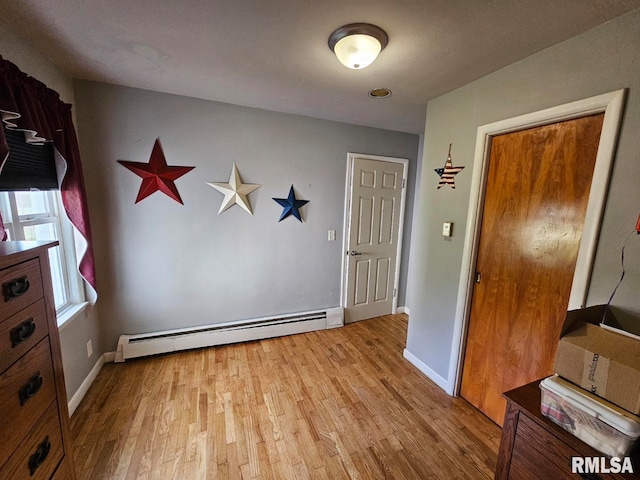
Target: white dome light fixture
[357, 45]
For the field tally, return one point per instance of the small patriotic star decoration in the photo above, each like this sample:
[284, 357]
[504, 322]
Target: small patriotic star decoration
[291, 205]
[235, 192]
[447, 173]
[157, 175]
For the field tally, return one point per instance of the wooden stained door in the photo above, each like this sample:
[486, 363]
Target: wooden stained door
[374, 221]
[534, 208]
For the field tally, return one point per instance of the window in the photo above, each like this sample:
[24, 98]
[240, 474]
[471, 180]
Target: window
[39, 215]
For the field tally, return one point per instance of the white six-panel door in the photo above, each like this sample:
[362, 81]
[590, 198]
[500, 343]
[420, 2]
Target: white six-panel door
[374, 218]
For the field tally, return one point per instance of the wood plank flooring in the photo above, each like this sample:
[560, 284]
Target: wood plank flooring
[335, 404]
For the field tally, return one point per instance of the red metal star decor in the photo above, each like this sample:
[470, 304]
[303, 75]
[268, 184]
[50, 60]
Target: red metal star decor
[157, 175]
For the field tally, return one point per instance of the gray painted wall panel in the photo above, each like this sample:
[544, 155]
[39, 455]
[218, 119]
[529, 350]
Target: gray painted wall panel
[162, 265]
[601, 60]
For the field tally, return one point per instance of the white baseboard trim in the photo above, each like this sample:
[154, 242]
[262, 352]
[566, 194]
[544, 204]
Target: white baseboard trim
[403, 310]
[424, 368]
[109, 357]
[84, 387]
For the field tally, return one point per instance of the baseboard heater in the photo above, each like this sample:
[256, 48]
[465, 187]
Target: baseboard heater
[133, 346]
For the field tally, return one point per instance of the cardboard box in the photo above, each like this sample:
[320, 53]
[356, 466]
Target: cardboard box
[602, 360]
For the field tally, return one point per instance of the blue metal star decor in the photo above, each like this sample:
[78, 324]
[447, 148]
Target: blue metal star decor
[291, 205]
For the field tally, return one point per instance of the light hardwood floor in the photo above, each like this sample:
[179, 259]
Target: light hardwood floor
[334, 404]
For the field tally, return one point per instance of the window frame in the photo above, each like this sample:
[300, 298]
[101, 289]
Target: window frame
[71, 282]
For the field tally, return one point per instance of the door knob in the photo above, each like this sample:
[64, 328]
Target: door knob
[354, 253]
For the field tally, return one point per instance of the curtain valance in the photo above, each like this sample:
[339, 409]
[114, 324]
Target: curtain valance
[28, 105]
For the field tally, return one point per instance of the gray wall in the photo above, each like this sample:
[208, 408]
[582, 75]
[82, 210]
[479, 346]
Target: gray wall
[599, 61]
[75, 334]
[162, 265]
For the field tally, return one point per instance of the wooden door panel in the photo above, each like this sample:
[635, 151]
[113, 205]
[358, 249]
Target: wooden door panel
[367, 178]
[387, 209]
[535, 202]
[374, 224]
[363, 274]
[382, 279]
[365, 221]
[390, 180]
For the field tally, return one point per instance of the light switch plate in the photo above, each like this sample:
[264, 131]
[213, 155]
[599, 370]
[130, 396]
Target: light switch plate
[447, 228]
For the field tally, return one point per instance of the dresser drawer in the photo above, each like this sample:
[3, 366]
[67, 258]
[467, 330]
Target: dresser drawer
[21, 286]
[19, 333]
[40, 452]
[27, 388]
[63, 472]
[536, 456]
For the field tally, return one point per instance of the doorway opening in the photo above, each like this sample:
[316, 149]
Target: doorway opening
[374, 214]
[611, 105]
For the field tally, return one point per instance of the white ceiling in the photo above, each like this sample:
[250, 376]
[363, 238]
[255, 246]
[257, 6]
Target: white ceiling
[273, 54]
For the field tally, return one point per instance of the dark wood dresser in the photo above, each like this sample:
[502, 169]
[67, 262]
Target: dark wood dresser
[35, 440]
[534, 448]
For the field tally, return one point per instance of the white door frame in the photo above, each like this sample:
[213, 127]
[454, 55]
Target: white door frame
[611, 104]
[347, 227]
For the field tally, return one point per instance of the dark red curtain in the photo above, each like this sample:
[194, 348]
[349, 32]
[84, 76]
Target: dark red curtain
[29, 105]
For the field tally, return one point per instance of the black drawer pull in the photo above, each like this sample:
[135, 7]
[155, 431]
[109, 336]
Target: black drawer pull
[30, 388]
[39, 456]
[15, 288]
[22, 332]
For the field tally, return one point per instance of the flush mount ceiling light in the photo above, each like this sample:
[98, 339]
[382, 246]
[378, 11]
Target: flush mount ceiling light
[358, 44]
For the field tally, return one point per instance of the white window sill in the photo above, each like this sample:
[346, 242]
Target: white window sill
[70, 313]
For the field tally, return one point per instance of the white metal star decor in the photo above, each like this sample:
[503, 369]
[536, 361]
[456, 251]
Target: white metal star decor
[235, 192]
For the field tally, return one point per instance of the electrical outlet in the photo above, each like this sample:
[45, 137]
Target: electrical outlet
[89, 349]
[331, 235]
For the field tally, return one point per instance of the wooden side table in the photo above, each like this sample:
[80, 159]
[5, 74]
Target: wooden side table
[534, 448]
